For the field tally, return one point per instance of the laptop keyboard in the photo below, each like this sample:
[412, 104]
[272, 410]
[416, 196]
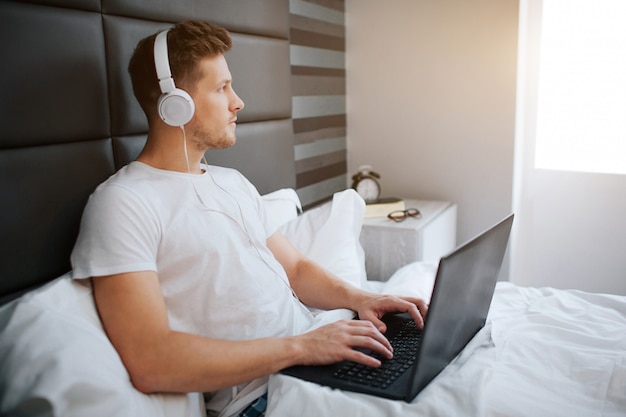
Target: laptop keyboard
[404, 343]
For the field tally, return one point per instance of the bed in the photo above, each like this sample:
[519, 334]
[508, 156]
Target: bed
[68, 120]
[543, 352]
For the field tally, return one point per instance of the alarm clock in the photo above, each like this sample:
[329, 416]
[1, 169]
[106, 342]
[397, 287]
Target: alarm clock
[365, 182]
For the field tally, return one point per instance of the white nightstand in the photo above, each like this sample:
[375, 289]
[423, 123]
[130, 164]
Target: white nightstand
[389, 245]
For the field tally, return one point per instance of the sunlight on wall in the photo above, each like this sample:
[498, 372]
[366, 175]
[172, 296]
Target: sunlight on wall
[581, 121]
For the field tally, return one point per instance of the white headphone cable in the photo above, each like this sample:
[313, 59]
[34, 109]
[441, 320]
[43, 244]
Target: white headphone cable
[242, 225]
[182, 127]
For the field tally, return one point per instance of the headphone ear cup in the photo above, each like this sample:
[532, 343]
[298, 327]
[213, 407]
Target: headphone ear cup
[176, 108]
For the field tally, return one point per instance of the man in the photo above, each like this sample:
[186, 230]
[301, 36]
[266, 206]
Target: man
[194, 291]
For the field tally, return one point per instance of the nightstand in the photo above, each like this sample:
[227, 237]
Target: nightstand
[389, 246]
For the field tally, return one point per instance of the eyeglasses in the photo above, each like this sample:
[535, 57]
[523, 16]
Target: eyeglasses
[400, 215]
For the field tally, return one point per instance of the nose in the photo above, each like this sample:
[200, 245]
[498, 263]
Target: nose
[237, 103]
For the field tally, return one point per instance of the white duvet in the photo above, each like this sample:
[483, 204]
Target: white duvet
[543, 352]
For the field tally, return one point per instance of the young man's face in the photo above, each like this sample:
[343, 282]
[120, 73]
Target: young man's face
[213, 124]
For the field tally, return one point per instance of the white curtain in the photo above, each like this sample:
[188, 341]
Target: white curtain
[571, 225]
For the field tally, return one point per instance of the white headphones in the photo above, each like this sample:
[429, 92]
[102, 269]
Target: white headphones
[175, 106]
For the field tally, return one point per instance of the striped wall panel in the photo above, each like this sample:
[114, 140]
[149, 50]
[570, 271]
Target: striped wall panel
[318, 82]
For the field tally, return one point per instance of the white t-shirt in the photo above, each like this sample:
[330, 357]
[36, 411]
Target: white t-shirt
[205, 235]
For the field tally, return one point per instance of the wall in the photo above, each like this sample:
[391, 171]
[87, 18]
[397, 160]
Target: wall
[431, 101]
[317, 36]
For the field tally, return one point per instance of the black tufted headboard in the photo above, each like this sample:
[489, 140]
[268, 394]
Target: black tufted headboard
[68, 118]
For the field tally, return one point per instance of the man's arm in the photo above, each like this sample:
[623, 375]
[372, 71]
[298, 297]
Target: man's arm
[158, 359]
[317, 287]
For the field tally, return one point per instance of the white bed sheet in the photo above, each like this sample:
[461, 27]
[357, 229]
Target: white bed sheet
[543, 352]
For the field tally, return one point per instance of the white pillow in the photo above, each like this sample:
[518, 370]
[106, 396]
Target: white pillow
[57, 360]
[416, 279]
[329, 235]
[281, 206]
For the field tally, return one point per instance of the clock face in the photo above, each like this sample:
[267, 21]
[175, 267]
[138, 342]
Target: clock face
[368, 189]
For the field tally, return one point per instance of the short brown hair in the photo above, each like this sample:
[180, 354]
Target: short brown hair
[188, 42]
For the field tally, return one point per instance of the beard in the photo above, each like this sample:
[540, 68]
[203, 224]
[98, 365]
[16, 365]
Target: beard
[206, 140]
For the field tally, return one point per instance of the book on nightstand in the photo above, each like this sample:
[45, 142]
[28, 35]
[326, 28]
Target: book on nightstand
[383, 206]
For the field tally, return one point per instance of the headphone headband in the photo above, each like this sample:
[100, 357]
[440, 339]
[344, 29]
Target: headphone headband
[161, 62]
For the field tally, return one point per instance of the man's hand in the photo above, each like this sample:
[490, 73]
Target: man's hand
[336, 342]
[375, 307]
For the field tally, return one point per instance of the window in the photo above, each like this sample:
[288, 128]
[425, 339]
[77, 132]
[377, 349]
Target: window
[581, 119]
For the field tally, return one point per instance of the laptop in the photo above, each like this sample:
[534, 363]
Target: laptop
[464, 286]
